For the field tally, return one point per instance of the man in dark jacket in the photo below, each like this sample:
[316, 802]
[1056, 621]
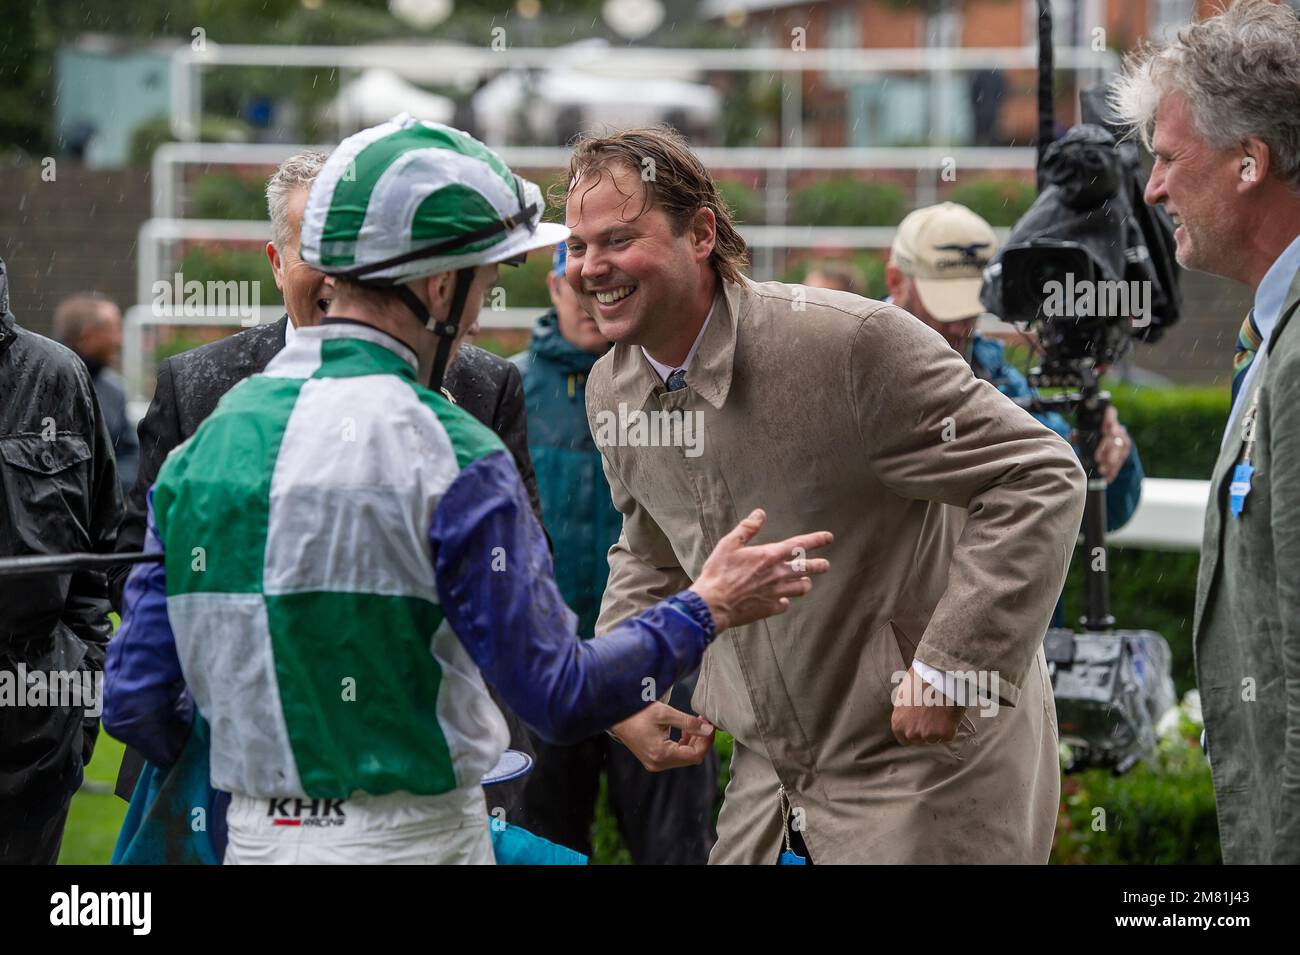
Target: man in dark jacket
[664, 818]
[190, 385]
[60, 494]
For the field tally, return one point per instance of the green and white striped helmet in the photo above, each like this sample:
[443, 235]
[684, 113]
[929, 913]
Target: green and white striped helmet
[410, 198]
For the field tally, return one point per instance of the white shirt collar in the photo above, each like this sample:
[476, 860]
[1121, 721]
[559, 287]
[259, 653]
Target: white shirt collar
[1271, 294]
[662, 370]
[289, 331]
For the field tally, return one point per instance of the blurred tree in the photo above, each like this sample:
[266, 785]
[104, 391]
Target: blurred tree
[25, 60]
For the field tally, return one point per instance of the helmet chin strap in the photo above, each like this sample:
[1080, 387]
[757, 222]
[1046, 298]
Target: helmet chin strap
[446, 329]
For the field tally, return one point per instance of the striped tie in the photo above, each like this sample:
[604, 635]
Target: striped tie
[677, 380]
[1248, 342]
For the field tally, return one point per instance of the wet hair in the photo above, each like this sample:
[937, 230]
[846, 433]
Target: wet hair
[299, 169]
[675, 181]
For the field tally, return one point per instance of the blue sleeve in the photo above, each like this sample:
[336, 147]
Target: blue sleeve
[497, 590]
[1056, 422]
[1013, 384]
[1123, 493]
[146, 703]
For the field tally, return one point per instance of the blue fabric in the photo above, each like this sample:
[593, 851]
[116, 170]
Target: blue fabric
[577, 508]
[146, 703]
[514, 623]
[1122, 494]
[515, 846]
[160, 823]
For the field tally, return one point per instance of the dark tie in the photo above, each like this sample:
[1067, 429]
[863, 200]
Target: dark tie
[1248, 342]
[677, 380]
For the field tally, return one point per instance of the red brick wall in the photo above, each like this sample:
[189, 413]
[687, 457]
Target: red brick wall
[993, 23]
[75, 234]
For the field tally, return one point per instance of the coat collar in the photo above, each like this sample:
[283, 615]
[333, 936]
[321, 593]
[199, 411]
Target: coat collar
[709, 374]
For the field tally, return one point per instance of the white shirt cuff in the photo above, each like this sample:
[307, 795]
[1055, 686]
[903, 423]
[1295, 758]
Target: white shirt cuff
[946, 683]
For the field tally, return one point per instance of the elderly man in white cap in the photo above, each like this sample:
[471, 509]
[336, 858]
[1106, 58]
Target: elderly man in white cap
[935, 270]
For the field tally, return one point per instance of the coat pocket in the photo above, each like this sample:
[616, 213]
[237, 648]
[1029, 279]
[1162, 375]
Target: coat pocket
[47, 488]
[898, 651]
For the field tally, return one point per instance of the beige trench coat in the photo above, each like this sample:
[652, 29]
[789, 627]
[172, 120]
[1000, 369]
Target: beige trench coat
[954, 513]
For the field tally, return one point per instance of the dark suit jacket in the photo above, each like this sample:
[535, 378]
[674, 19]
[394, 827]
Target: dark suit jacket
[189, 387]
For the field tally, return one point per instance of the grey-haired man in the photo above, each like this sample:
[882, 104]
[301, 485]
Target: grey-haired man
[1223, 103]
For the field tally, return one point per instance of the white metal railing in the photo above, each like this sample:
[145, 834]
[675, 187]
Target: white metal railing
[169, 157]
[456, 62]
[1170, 516]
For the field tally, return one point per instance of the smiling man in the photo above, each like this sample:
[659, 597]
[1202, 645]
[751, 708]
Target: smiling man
[1223, 103]
[954, 514]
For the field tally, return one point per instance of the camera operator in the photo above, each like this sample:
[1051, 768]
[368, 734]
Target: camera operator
[935, 272]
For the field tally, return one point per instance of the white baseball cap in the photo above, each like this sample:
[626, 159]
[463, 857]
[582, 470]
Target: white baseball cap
[944, 249]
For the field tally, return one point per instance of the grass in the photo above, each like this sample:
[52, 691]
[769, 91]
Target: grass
[96, 814]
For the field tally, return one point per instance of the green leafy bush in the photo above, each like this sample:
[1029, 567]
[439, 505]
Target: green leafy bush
[229, 195]
[1001, 201]
[848, 202]
[1177, 429]
[743, 201]
[152, 133]
[525, 285]
[1160, 813]
[225, 264]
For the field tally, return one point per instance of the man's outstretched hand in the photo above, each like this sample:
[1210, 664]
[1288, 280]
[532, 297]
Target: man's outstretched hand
[743, 583]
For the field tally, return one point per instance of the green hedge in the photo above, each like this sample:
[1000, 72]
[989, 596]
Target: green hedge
[1177, 433]
[152, 133]
[227, 264]
[1000, 200]
[745, 202]
[1160, 813]
[848, 202]
[1177, 429]
[525, 285]
[230, 195]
